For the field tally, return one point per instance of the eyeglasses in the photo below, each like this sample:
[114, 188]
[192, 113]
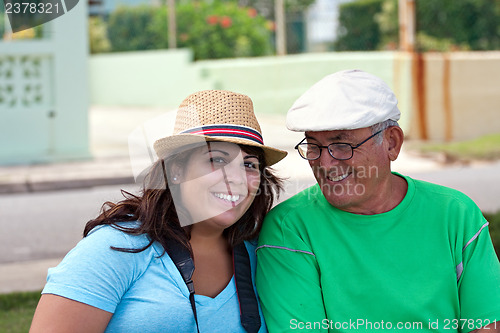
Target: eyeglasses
[339, 150]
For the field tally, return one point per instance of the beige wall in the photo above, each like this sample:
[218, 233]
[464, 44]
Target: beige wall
[462, 96]
[460, 91]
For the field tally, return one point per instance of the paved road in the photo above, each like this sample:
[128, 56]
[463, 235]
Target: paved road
[47, 224]
[37, 229]
[481, 182]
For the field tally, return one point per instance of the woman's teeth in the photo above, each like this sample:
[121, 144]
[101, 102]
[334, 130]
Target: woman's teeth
[228, 197]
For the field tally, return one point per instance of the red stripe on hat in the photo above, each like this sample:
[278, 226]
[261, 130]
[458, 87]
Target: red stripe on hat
[226, 131]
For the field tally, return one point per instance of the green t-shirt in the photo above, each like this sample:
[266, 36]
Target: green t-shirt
[426, 265]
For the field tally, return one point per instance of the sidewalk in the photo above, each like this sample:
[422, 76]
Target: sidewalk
[110, 165]
[109, 131]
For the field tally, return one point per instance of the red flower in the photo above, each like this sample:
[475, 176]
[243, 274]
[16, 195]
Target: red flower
[226, 22]
[252, 12]
[271, 25]
[212, 19]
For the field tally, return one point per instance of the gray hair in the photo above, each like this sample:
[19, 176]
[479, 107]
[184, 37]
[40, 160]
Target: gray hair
[380, 127]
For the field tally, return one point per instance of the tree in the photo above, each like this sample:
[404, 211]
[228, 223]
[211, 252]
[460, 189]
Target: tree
[358, 30]
[447, 24]
[213, 30]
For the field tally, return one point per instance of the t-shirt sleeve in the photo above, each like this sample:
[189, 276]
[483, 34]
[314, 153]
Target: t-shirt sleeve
[288, 279]
[479, 277]
[95, 274]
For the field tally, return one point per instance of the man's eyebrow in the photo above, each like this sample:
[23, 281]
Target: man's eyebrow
[339, 136]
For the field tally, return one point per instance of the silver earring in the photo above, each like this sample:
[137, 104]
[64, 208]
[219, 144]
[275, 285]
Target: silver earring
[175, 178]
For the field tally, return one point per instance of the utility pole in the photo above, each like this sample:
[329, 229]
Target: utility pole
[407, 41]
[406, 11]
[279, 12]
[172, 26]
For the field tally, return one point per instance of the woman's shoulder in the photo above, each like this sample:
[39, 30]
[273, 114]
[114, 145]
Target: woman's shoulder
[106, 237]
[107, 246]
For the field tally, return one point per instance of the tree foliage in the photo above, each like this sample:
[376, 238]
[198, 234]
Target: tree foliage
[266, 7]
[441, 25]
[358, 30]
[98, 38]
[212, 30]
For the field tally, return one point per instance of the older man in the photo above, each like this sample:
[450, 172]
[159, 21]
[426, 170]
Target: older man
[367, 249]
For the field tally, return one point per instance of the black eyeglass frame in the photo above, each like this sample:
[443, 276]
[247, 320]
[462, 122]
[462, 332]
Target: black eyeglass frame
[334, 143]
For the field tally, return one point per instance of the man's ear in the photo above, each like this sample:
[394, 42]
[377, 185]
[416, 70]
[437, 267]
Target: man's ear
[394, 136]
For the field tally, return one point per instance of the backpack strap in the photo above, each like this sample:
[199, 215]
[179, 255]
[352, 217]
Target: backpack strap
[249, 308]
[182, 259]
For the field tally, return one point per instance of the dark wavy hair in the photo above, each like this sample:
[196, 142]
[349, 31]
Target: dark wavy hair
[157, 214]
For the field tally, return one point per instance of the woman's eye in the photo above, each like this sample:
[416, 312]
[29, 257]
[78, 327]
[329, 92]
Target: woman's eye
[251, 165]
[217, 160]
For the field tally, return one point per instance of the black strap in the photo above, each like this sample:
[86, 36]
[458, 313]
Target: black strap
[249, 309]
[182, 259]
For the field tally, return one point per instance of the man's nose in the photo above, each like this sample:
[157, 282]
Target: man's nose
[325, 159]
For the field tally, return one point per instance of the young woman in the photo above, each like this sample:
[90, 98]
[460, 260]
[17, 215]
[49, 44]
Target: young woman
[208, 193]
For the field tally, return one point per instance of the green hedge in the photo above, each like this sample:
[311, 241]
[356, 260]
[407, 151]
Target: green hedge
[131, 29]
[442, 25]
[474, 24]
[358, 30]
[213, 30]
[98, 36]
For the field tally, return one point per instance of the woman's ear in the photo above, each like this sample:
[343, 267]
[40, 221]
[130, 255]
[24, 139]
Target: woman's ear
[175, 174]
[395, 137]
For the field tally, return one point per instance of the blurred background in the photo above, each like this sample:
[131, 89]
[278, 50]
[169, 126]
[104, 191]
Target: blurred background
[73, 89]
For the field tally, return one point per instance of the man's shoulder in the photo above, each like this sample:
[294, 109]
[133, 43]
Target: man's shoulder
[439, 193]
[301, 203]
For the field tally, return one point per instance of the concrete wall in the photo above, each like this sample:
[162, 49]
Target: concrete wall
[148, 78]
[459, 99]
[43, 93]
[462, 96]
[164, 78]
[275, 82]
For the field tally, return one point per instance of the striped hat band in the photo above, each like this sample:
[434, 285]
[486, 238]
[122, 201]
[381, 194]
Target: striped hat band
[234, 131]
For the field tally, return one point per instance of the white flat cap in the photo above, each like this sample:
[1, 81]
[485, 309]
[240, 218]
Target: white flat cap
[348, 99]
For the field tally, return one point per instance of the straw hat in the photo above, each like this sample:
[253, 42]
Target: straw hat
[216, 115]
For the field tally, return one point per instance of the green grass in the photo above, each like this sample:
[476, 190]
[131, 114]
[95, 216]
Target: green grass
[16, 311]
[484, 148]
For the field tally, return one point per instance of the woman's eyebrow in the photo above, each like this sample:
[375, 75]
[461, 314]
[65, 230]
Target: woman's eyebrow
[251, 156]
[217, 150]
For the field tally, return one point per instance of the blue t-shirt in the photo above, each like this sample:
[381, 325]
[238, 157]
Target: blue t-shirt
[144, 291]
